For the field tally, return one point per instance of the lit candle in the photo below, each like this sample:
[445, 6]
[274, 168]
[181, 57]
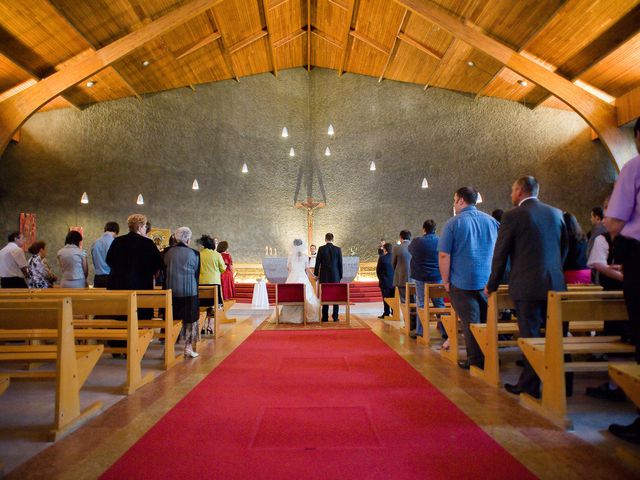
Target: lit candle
[270, 251]
[275, 252]
[266, 250]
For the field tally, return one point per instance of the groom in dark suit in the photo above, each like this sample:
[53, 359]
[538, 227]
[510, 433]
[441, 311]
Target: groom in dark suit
[533, 236]
[329, 265]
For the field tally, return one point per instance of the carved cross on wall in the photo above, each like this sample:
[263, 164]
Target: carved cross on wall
[310, 205]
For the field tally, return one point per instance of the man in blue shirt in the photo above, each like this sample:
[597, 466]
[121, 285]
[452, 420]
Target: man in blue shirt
[465, 251]
[99, 254]
[424, 266]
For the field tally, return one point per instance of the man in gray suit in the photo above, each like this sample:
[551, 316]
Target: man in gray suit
[401, 261]
[534, 237]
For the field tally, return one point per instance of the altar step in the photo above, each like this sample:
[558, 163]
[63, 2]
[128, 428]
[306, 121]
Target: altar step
[361, 292]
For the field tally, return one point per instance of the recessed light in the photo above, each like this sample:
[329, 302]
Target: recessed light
[471, 63]
[90, 83]
[146, 63]
[523, 83]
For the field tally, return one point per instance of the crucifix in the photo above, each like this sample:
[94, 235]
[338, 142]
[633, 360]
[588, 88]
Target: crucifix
[310, 205]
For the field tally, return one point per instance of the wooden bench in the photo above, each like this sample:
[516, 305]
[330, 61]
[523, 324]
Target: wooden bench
[487, 334]
[108, 303]
[429, 315]
[546, 355]
[210, 292]
[627, 377]
[407, 306]
[394, 304]
[29, 319]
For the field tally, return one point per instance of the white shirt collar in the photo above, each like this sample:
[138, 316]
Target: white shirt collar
[525, 199]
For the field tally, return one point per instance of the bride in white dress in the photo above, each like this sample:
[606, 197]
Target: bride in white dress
[298, 267]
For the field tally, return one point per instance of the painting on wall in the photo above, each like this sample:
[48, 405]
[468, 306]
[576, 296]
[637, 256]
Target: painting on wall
[28, 229]
[160, 237]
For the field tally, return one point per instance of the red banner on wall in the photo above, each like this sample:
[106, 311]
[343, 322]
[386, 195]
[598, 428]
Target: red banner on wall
[28, 229]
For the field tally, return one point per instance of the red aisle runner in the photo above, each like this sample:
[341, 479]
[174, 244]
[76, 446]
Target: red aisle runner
[309, 404]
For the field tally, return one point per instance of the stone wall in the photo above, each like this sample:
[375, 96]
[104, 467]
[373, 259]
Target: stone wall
[157, 146]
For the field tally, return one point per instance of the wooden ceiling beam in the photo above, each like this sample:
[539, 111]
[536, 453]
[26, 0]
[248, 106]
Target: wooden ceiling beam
[598, 114]
[276, 4]
[236, 47]
[94, 47]
[339, 5]
[394, 47]
[628, 106]
[308, 35]
[371, 42]
[353, 13]
[327, 38]
[198, 45]
[423, 48]
[16, 110]
[443, 61]
[228, 59]
[272, 50]
[289, 38]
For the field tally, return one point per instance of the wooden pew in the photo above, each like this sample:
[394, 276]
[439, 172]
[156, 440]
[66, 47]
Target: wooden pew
[105, 303]
[28, 319]
[627, 377]
[546, 355]
[219, 315]
[428, 316]
[486, 334]
[394, 304]
[408, 305]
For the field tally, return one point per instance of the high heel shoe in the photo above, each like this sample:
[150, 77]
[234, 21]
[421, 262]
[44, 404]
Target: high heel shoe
[209, 331]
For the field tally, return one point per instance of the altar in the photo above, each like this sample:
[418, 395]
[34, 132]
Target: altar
[275, 269]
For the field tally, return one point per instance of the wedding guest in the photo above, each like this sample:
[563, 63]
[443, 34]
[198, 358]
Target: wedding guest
[228, 283]
[401, 261]
[182, 270]
[40, 274]
[575, 264]
[73, 262]
[13, 263]
[211, 266]
[597, 227]
[384, 271]
[99, 254]
[313, 253]
[381, 245]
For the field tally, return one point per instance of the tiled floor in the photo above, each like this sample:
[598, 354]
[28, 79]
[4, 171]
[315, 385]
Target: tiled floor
[25, 411]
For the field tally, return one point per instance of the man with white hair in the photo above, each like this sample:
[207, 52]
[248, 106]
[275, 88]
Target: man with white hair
[182, 267]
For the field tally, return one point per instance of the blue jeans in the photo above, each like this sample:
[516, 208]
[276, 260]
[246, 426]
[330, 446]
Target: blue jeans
[437, 302]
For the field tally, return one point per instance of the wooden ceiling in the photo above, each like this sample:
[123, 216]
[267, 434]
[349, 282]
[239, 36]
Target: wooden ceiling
[594, 41]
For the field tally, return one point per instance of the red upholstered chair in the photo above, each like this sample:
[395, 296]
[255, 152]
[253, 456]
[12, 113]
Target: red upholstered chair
[334, 294]
[290, 294]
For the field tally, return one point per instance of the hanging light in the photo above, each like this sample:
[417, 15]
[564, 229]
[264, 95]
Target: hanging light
[425, 184]
[479, 198]
[292, 152]
[140, 200]
[84, 198]
[372, 166]
[194, 185]
[327, 152]
[244, 168]
[285, 132]
[330, 131]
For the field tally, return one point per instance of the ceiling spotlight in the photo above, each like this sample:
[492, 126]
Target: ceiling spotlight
[479, 198]
[90, 83]
[244, 168]
[327, 152]
[471, 63]
[372, 167]
[146, 63]
[425, 184]
[523, 83]
[292, 152]
[194, 185]
[330, 131]
[285, 132]
[140, 200]
[85, 198]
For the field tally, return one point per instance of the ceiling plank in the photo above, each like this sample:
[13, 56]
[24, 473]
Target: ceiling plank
[272, 49]
[628, 106]
[369, 41]
[289, 38]
[198, 45]
[326, 38]
[423, 48]
[276, 4]
[308, 35]
[345, 51]
[16, 110]
[247, 41]
[449, 52]
[224, 48]
[339, 5]
[598, 114]
[394, 47]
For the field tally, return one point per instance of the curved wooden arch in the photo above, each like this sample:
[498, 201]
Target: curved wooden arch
[16, 110]
[598, 114]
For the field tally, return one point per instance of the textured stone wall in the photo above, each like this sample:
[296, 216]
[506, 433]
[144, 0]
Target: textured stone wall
[157, 146]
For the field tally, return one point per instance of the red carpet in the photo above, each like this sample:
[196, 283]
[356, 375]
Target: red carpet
[315, 405]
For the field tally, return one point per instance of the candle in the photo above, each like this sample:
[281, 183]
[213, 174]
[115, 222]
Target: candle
[275, 252]
[266, 250]
[270, 251]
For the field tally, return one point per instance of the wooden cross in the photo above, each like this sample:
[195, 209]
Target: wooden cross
[310, 205]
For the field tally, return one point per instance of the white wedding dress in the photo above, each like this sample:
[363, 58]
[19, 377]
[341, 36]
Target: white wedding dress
[297, 265]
